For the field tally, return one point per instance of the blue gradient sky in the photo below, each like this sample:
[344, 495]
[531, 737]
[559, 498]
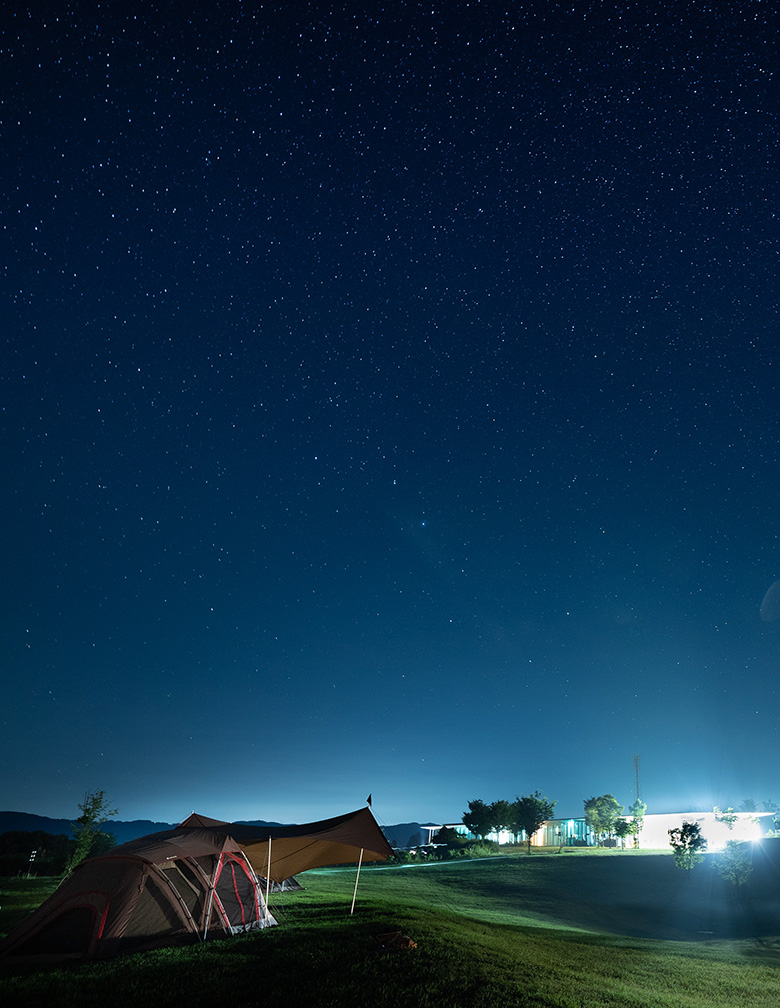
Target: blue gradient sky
[389, 405]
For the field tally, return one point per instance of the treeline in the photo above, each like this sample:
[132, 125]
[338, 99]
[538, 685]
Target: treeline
[34, 852]
[604, 817]
[524, 816]
[521, 817]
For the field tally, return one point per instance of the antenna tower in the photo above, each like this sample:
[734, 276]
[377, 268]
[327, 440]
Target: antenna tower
[636, 777]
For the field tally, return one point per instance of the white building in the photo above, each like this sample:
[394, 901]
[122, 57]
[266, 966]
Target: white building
[747, 826]
[655, 830]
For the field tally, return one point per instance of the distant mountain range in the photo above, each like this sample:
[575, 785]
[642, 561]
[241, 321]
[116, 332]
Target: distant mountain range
[123, 831]
[401, 835]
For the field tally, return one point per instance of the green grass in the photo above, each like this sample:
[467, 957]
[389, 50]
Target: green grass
[544, 931]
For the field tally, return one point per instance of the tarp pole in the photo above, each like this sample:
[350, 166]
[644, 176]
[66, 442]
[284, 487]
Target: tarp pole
[357, 877]
[268, 875]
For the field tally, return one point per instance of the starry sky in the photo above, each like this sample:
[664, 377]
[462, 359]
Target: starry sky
[389, 404]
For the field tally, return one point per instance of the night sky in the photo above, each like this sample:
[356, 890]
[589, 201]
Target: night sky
[389, 404]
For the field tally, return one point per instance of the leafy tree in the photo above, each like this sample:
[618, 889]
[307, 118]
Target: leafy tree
[774, 808]
[727, 817]
[601, 814]
[623, 828]
[637, 809]
[502, 816]
[479, 818]
[748, 805]
[734, 863]
[530, 811]
[688, 845]
[86, 829]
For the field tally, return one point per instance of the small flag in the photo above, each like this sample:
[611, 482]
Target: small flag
[368, 801]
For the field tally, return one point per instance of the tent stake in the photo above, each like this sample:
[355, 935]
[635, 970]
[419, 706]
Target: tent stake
[354, 894]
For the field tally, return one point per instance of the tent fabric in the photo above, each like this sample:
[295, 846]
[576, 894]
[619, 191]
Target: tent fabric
[297, 848]
[202, 820]
[177, 842]
[179, 885]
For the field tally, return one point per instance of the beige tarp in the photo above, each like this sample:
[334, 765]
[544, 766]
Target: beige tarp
[295, 849]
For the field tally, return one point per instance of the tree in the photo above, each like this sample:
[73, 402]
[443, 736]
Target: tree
[530, 811]
[734, 862]
[748, 805]
[727, 817]
[86, 829]
[600, 815]
[770, 806]
[637, 810]
[688, 845]
[449, 837]
[479, 818]
[502, 816]
[624, 828]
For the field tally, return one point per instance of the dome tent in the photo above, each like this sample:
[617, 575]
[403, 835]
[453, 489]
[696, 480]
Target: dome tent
[184, 884]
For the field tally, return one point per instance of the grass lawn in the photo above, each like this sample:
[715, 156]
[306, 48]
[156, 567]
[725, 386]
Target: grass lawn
[560, 931]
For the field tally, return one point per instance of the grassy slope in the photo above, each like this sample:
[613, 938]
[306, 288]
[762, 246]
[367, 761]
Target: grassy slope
[630, 893]
[490, 934]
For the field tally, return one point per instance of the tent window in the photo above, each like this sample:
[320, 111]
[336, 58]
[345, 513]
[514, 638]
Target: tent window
[70, 933]
[188, 886]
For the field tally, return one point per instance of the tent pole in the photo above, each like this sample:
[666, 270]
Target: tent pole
[212, 887]
[354, 894]
[268, 875]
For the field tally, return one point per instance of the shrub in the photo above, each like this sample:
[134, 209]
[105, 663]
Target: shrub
[734, 863]
[687, 844]
[481, 848]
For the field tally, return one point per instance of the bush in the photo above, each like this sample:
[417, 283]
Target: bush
[481, 848]
[450, 837]
[734, 862]
[471, 849]
[687, 844]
